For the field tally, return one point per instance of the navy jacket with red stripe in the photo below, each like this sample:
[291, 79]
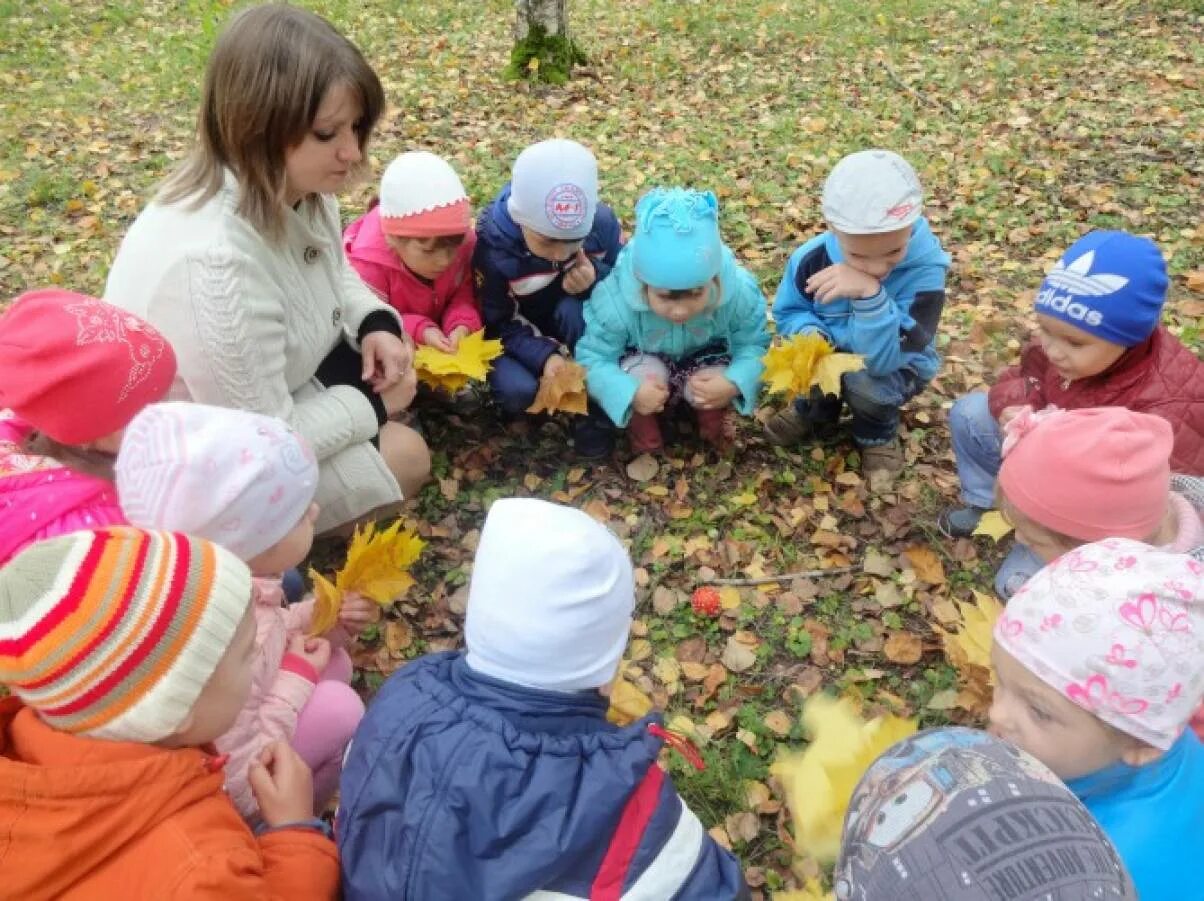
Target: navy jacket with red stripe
[458, 785]
[519, 291]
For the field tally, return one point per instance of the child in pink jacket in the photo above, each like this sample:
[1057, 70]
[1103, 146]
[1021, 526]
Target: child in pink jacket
[73, 372]
[247, 482]
[415, 250]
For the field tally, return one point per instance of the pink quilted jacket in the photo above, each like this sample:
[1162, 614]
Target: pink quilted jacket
[40, 498]
[1159, 376]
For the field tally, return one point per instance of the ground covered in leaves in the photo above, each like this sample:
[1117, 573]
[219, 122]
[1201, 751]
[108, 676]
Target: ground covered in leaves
[1029, 123]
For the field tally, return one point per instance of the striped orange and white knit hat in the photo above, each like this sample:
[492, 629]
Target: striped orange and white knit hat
[113, 633]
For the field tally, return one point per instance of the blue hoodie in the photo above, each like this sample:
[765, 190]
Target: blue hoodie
[894, 329]
[617, 319]
[1154, 815]
[458, 785]
[519, 291]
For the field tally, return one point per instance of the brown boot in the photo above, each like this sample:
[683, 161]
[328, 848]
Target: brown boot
[887, 458]
[716, 428]
[786, 427]
[644, 434]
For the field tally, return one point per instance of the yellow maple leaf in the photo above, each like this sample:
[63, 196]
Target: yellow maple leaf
[377, 567]
[809, 892]
[969, 651]
[993, 525]
[452, 372]
[627, 703]
[564, 390]
[819, 781]
[795, 364]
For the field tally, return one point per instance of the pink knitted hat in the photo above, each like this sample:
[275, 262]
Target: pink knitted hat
[1089, 474]
[1118, 628]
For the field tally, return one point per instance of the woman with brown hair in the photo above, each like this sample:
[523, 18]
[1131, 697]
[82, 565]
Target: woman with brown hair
[239, 261]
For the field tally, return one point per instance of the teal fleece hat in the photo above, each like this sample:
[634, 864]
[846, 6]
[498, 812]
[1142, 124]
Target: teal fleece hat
[676, 245]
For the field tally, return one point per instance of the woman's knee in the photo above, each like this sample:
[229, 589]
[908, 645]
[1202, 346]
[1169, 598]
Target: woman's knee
[407, 456]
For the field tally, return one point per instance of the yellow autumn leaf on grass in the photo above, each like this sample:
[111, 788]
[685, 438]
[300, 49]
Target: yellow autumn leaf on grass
[377, 567]
[809, 892]
[627, 703]
[451, 372]
[563, 391]
[796, 364]
[969, 651]
[819, 781]
[993, 525]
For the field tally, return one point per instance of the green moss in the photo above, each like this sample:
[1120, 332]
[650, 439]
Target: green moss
[545, 57]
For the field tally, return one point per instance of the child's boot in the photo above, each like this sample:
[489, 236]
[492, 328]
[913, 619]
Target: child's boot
[786, 427]
[883, 458]
[960, 522]
[644, 434]
[715, 427]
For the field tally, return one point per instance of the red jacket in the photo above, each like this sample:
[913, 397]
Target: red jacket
[84, 818]
[450, 302]
[1159, 376]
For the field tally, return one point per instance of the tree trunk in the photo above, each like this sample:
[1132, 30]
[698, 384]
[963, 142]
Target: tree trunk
[550, 15]
[543, 49]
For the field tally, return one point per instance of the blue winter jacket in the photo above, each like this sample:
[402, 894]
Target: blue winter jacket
[460, 786]
[617, 319]
[894, 329]
[1154, 815]
[519, 291]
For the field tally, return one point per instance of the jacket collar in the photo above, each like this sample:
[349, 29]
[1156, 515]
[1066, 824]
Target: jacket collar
[1131, 783]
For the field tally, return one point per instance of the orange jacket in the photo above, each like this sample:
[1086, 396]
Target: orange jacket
[87, 818]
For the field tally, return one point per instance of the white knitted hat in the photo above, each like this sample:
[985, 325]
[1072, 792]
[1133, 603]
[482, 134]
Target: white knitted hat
[554, 189]
[551, 598]
[871, 192]
[422, 197]
[239, 479]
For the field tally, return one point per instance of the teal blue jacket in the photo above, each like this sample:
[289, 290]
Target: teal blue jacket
[618, 321]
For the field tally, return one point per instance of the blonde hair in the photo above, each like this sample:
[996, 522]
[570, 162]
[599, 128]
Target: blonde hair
[268, 73]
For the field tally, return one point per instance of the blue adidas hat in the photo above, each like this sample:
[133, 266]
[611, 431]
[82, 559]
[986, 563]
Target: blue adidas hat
[676, 244]
[1109, 284]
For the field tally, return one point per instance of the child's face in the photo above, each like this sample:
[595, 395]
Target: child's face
[108, 444]
[679, 306]
[289, 550]
[226, 692]
[1047, 545]
[1036, 718]
[427, 257]
[1076, 354]
[553, 249]
[874, 255]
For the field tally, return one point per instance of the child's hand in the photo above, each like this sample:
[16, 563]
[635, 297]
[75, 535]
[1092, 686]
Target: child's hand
[650, 397]
[457, 334]
[357, 612]
[398, 398]
[314, 651]
[841, 281]
[553, 365]
[579, 279]
[282, 784]
[712, 390]
[1007, 414]
[432, 337]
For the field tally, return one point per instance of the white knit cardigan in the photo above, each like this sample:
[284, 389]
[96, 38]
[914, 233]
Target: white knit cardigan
[250, 320]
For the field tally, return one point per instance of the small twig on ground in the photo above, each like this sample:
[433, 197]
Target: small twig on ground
[784, 577]
[929, 99]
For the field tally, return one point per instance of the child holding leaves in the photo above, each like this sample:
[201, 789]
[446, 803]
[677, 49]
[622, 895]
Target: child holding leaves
[247, 482]
[678, 319]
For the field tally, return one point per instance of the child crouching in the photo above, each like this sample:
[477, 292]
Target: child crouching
[494, 773]
[677, 319]
[1099, 664]
[128, 653]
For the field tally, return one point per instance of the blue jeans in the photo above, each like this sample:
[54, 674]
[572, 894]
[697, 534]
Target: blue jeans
[874, 402]
[977, 440]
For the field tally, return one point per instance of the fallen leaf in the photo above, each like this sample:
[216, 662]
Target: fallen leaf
[878, 564]
[398, 635]
[563, 391]
[926, 564]
[729, 598]
[742, 826]
[738, 656]
[627, 703]
[993, 525]
[1195, 281]
[643, 468]
[969, 651]
[903, 648]
[778, 722]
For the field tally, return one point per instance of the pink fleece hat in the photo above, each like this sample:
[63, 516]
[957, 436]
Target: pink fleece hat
[1089, 474]
[1118, 628]
[77, 368]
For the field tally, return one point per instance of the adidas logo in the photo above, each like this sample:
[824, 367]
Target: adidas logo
[1077, 283]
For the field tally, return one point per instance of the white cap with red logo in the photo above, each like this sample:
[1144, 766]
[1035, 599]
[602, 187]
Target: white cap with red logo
[872, 191]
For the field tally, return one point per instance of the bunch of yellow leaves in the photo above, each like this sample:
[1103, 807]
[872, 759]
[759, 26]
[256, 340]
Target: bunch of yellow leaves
[627, 703]
[969, 650]
[811, 891]
[451, 372]
[819, 781]
[377, 567]
[563, 390]
[796, 364]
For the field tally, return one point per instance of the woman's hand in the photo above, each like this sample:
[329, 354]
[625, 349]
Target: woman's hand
[386, 358]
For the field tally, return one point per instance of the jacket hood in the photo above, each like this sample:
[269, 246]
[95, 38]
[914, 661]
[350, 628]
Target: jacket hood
[497, 228]
[87, 797]
[923, 249]
[365, 241]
